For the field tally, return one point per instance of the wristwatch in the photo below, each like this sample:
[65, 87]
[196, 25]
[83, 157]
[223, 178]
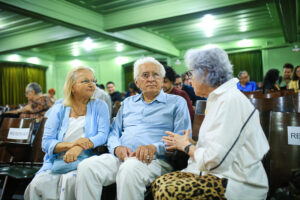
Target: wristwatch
[187, 148]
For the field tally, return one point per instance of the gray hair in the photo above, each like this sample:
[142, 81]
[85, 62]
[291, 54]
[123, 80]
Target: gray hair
[144, 60]
[211, 65]
[241, 73]
[34, 87]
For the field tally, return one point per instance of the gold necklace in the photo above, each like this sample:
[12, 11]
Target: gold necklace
[78, 113]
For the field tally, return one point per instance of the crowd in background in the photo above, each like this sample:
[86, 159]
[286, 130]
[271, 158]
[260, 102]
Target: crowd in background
[272, 80]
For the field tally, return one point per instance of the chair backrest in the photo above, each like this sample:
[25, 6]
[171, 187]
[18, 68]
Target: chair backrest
[287, 92]
[18, 150]
[36, 154]
[283, 157]
[198, 119]
[296, 98]
[280, 104]
[200, 107]
[260, 95]
[15, 123]
[116, 108]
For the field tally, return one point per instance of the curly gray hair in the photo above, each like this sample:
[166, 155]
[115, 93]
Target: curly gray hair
[210, 65]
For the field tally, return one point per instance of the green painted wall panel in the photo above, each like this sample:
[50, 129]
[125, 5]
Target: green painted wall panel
[276, 58]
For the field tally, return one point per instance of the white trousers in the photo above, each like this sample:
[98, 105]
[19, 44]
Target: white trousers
[131, 176]
[46, 185]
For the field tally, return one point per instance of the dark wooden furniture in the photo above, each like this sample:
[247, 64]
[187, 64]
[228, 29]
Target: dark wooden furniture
[283, 157]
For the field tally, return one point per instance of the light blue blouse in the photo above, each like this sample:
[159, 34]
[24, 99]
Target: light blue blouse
[96, 127]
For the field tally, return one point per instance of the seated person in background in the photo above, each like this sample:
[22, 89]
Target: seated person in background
[101, 86]
[270, 80]
[225, 163]
[178, 82]
[186, 86]
[72, 129]
[115, 95]
[51, 93]
[170, 89]
[102, 95]
[133, 90]
[287, 76]
[245, 85]
[37, 105]
[294, 84]
[135, 140]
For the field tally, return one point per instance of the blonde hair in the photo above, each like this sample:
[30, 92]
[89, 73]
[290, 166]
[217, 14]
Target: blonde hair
[70, 80]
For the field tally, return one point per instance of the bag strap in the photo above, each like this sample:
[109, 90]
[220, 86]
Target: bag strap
[234, 141]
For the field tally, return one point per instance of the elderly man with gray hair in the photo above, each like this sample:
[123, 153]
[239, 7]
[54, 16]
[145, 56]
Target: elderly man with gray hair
[245, 85]
[137, 152]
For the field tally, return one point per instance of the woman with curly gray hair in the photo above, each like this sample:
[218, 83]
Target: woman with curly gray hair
[225, 163]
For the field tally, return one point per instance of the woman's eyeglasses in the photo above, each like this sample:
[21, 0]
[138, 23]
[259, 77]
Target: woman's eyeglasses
[87, 81]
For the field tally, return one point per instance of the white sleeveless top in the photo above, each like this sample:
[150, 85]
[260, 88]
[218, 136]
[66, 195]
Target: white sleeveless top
[75, 129]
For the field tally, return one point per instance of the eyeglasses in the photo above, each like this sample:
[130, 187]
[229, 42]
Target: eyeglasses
[87, 81]
[190, 73]
[147, 76]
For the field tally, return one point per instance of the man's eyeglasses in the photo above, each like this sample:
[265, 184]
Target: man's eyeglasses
[87, 81]
[147, 76]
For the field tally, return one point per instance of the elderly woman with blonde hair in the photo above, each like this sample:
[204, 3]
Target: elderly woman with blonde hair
[225, 163]
[74, 127]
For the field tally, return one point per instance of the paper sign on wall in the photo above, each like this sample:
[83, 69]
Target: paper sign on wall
[293, 135]
[18, 133]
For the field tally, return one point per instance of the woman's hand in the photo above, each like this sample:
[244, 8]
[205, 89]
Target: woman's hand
[176, 141]
[85, 143]
[72, 154]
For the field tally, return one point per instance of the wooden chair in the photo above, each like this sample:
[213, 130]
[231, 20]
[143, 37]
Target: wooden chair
[287, 92]
[18, 149]
[200, 107]
[22, 168]
[283, 157]
[296, 98]
[281, 104]
[260, 95]
[116, 108]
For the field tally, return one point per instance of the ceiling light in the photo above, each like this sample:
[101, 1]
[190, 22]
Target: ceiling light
[208, 24]
[119, 47]
[243, 28]
[245, 43]
[75, 52]
[14, 57]
[88, 44]
[121, 60]
[33, 60]
[76, 63]
[209, 46]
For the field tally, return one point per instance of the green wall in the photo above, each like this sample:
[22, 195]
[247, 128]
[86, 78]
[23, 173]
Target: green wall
[277, 57]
